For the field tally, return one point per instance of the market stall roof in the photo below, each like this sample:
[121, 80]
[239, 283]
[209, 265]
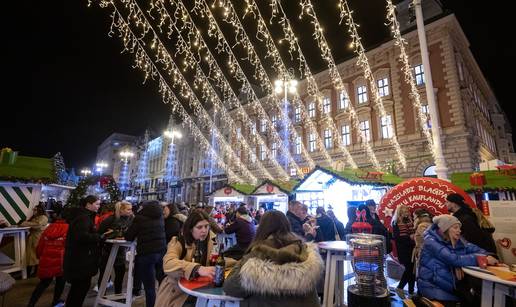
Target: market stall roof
[239, 188]
[29, 170]
[284, 186]
[495, 181]
[350, 176]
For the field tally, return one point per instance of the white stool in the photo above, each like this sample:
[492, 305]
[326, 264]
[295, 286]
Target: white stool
[110, 300]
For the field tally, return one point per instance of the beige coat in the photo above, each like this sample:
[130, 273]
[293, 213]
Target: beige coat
[419, 239]
[37, 225]
[169, 293]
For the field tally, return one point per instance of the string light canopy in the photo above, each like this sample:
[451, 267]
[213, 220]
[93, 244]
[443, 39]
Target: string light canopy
[184, 47]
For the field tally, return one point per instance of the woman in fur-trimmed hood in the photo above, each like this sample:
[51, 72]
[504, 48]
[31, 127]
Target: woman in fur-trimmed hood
[278, 269]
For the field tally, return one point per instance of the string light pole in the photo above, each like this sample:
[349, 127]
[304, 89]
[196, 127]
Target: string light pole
[285, 86]
[440, 163]
[126, 155]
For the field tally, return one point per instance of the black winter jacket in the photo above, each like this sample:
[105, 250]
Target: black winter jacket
[472, 232]
[82, 250]
[148, 227]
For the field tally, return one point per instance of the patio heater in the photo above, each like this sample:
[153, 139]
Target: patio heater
[370, 288]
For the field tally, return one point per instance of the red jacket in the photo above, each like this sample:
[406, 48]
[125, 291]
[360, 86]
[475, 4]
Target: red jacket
[50, 250]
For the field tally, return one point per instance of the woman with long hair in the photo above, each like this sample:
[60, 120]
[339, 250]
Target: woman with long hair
[37, 224]
[187, 257]
[403, 230]
[278, 269]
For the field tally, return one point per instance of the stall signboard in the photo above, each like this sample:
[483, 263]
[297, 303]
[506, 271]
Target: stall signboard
[426, 192]
[226, 192]
[268, 189]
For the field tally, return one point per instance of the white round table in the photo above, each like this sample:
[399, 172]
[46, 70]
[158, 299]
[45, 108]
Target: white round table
[20, 258]
[334, 276]
[209, 295]
[494, 289]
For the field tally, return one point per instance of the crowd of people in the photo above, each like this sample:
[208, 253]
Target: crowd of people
[275, 259]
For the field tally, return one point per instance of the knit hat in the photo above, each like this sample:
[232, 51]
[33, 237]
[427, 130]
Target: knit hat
[456, 198]
[445, 221]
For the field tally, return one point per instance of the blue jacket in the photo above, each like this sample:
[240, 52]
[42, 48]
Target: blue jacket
[436, 276]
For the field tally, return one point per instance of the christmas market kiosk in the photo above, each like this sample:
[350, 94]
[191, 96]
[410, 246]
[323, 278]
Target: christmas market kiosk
[336, 190]
[273, 194]
[231, 194]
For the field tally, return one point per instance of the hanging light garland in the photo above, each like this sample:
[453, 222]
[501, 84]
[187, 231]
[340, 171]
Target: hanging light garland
[202, 9]
[312, 87]
[208, 91]
[407, 71]
[363, 62]
[134, 44]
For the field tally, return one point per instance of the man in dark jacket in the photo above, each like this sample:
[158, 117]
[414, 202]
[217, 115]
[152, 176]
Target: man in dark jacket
[297, 223]
[148, 228]
[326, 225]
[470, 229]
[244, 230]
[82, 251]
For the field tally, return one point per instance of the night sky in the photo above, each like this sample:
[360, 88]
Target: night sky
[82, 89]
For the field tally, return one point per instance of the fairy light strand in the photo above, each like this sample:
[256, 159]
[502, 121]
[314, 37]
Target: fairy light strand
[407, 71]
[219, 78]
[132, 45]
[363, 62]
[163, 57]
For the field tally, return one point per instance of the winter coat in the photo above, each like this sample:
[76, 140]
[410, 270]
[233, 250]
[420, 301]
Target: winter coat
[244, 229]
[283, 277]
[404, 244]
[472, 232]
[327, 228]
[437, 263]
[121, 224]
[173, 225]
[169, 293]
[148, 227]
[340, 229]
[296, 224]
[418, 240]
[37, 226]
[51, 250]
[82, 249]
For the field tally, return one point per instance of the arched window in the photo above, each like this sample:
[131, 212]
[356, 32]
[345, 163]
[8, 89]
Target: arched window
[430, 172]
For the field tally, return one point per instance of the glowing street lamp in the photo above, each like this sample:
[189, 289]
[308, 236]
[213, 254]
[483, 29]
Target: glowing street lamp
[86, 172]
[171, 134]
[101, 165]
[126, 154]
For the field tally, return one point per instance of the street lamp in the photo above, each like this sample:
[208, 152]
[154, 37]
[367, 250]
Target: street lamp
[171, 134]
[126, 154]
[101, 165]
[285, 86]
[85, 172]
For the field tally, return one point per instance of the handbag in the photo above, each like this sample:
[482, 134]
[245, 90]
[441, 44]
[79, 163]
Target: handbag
[337, 236]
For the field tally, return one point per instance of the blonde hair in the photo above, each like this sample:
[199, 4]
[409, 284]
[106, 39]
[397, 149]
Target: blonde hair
[118, 207]
[397, 214]
[482, 221]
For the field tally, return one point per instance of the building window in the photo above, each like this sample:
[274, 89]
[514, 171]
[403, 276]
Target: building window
[346, 135]
[274, 150]
[386, 125]
[311, 109]
[274, 120]
[426, 114]
[298, 145]
[253, 156]
[297, 114]
[383, 87]
[262, 152]
[263, 125]
[311, 142]
[326, 105]
[419, 74]
[328, 143]
[362, 94]
[365, 132]
[343, 100]
[239, 132]
[253, 128]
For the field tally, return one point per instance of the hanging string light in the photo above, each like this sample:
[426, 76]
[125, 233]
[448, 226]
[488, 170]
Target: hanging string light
[143, 61]
[312, 87]
[201, 80]
[202, 9]
[407, 71]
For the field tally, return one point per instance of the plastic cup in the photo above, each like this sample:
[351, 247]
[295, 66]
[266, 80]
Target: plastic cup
[482, 261]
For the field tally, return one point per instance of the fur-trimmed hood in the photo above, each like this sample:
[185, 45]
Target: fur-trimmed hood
[292, 270]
